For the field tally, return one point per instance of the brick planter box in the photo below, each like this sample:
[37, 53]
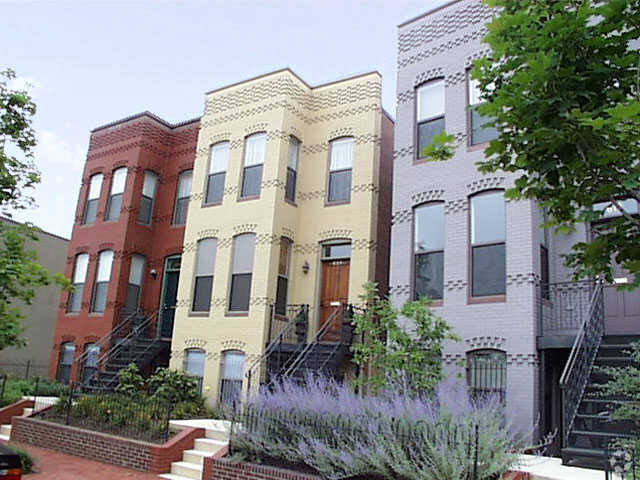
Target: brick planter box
[134, 454]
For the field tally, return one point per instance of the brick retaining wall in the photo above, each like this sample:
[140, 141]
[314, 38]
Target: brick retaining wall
[103, 447]
[13, 410]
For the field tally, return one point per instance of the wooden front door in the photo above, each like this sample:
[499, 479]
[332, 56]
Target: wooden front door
[335, 292]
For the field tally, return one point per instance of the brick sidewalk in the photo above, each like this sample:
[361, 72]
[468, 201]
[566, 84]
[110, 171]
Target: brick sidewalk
[59, 466]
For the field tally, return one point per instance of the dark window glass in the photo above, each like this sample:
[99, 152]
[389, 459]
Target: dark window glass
[429, 275]
[182, 208]
[240, 292]
[489, 270]
[115, 205]
[100, 297]
[480, 131]
[93, 197]
[90, 367]
[91, 211]
[290, 187]
[75, 298]
[215, 188]
[133, 298]
[340, 186]
[251, 181]
[544, 271]
[65, 362]
[342, 250]
[427, 131]
[146, 205]
[487, 374]
[183, 194]
[281, 295]
[202, 294]
[194, 365]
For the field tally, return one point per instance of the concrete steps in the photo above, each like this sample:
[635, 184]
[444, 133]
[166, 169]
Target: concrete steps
[192, 464]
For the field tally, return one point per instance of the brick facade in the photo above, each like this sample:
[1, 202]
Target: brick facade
[139, 143]
[102, 447]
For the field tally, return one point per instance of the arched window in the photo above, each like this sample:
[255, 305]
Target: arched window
[205, 266]
[241, 272]
[231, 379]
[340, 169]
[118, 184]
[194, 361]
[218, 163]
[487, 374]
[65, 362]
[90, 366]
[79, 279]
[93, 197]
[103, 276]
[428, 251]
[292, 169]
[183, 193]
[134, 287]
[255, 148]
[488, 248]
[149, 188]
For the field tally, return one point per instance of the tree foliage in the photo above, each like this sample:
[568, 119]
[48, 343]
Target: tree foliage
[20, 272]
[562, 86]
[409, 356]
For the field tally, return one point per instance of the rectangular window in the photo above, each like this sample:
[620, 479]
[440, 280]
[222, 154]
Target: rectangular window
[118, 182]
[480, 131]
[134, 288]
[283, 276]
[218, 162]
[79, 278]
[65, 362]
[544, 257]
[205, 265]
[194, 365]
[488, 254]
[254, 152]
[101, 287]
[429, 113]
[487, 375]
[292, 169]
[148, 196]
[428, 251]
[232, 375]
[93, 197]
[340, 167]
[183, 193]
[90, 367]
[242, 269]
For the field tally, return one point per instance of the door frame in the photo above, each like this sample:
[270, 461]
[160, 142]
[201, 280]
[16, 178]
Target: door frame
[165, 269]
[320, 277]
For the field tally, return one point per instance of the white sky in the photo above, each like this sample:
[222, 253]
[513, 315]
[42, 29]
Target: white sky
[93, 62]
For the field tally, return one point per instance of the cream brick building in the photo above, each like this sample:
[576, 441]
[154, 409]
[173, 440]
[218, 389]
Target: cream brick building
[282, 171]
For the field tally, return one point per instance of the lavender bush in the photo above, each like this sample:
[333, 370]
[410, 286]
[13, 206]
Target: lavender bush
[331, 429]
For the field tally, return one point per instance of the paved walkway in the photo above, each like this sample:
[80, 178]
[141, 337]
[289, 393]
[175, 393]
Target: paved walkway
[60, 466]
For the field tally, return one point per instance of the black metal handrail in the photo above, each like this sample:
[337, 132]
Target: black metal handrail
[302, 356]
[577, 370]
[563, 305]
[294, 327]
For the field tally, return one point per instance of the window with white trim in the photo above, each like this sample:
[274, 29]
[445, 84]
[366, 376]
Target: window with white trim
[134, 287]
[428, 251]
[93, 198]
[218, 163]
[231, 378]
[79, 278]
[488, 252]
[65, 362]
[430, 106]
[241, 273]
[90, 365]
[282, 287]
[149, 188]
[194, 365]
[205, 266]
[118, 184]
[480, 131]
[183, 193]
[255, 147]
[103, 276]
[292, 169]
[340, 170]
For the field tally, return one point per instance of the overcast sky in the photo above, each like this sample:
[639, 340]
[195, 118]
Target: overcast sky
[92, 62]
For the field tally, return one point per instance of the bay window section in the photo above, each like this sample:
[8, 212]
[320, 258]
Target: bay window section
[205, 266]
[93, 198]
[292, 169]
[232, 375]
[429, 113]
[118, 183]
[481, 132]
[241, 274]
[254, 152]
[134, 288]
[428, 248]
[79, 279]
[283, 276]
[488, 254]
[183, 193]
[103, 276]
[218, 162]
[340, 169]
[148, 196]
[194, 365]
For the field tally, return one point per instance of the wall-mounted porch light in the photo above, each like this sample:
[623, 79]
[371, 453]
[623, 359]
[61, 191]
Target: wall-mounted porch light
[305, 267]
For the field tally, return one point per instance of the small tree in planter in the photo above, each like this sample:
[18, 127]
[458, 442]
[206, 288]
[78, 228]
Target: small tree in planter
[412, 358]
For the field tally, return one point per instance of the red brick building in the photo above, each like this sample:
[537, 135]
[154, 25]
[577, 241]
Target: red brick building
[127, 238]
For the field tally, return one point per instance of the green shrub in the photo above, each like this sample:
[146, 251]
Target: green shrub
[16, 388]
[130, 381]
[25, 459]
[173, 386]
[192, 409]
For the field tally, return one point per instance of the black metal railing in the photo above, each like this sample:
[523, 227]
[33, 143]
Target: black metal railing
[291, 330]
[487, 377]
[563, 306]
[577, 370]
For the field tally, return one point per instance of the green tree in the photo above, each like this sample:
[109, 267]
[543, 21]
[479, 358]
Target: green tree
[562, 85]
[20, 272]
[395, 355]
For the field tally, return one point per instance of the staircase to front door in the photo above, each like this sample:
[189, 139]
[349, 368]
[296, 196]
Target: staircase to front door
[593, 428]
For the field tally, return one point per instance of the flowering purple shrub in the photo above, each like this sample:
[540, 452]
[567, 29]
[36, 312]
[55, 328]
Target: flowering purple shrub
[393, 435]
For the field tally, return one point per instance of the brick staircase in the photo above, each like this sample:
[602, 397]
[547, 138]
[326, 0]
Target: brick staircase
[191, 465]
[593, 428]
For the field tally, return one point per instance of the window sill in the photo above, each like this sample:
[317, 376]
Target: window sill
[336, 204]
[199, 314]
[487, 299]
[72, 314]
[178, 225]
[212, 204]
[144, 224]
[236, 314]
[246, 199]
[96, 314]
